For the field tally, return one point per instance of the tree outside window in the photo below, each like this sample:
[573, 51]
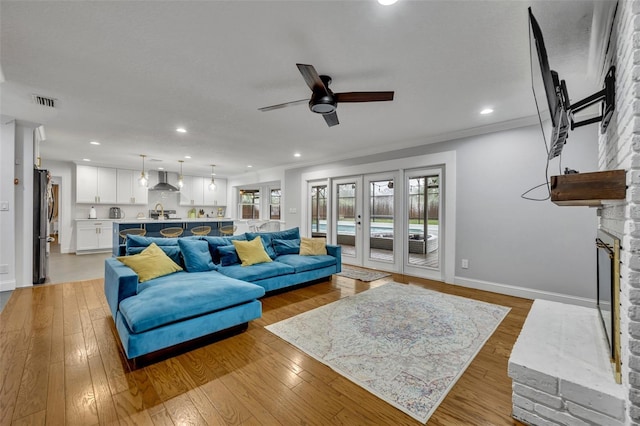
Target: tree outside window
[250, 204]
[274, 204]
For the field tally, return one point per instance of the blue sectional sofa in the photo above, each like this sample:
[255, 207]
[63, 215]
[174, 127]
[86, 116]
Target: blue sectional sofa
[213, 292]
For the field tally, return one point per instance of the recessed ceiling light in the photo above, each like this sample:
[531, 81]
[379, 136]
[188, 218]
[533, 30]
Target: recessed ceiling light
[181, 130]
[160, 168]
[94, 143]
[86, 159]
[486, 111]
[187, 157]
[249, 166]
[297, 154]
[387, 2]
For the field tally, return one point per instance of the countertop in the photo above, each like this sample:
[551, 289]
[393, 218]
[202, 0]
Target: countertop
[183, 220]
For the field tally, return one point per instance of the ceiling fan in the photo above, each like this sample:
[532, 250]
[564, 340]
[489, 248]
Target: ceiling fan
[323, 100]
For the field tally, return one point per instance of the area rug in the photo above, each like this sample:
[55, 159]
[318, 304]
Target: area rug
[405, 344]
[362, 275]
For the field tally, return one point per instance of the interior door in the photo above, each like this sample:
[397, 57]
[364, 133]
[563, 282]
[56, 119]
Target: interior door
[347, 212]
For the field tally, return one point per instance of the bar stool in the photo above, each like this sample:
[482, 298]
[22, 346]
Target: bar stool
[132, 231]
[171, 232]
[201, 230]
[228, 230]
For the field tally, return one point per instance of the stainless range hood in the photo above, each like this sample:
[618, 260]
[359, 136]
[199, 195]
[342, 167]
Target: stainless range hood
[163, 185]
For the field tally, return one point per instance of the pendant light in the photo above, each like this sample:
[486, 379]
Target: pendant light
[142, 180]
[212, 184]
[180, 178]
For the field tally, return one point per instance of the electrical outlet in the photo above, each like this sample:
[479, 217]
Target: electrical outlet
[4, 206]
[465, 263]
[4, 269]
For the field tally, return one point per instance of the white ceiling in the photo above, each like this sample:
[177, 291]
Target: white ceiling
[127, 74]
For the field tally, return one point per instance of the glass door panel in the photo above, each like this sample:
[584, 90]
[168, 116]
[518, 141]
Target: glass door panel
[380, 220]
[348, 218]
[423, 219]
[319, 210]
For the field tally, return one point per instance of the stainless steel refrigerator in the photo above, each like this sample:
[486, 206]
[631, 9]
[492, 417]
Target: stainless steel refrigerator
[41, 210]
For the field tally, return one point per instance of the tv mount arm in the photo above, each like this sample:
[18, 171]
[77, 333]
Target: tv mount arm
[606, 95]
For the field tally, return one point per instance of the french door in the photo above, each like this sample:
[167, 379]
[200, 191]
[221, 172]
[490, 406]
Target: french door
[347, 218]
[365, 224]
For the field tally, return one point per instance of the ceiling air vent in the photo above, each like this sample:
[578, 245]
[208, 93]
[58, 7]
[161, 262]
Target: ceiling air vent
[44, 101]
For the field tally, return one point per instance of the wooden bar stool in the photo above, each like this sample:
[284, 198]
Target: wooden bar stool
[132, 231]
[171, 232]
[201, 230]
[228, 230]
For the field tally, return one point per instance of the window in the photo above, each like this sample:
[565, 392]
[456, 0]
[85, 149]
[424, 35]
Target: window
[274, 204]
[319, 210]
[249, 204]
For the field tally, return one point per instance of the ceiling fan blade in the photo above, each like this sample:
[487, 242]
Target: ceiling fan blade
[284, 105]
[312, 78]
[331, 119]
[363, 96]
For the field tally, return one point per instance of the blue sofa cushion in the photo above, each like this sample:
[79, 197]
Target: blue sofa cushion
[215, 242]
[267, 237]
[228, 255]
[306, 263]
[190, 295]
[286, 246]
[196, 256]
[172, 251]
[259, 271]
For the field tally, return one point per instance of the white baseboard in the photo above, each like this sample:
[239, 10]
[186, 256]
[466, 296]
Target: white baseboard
[7, 285]
[526, 293]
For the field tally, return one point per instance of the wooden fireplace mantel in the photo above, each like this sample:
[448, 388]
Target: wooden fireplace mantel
[588, 189]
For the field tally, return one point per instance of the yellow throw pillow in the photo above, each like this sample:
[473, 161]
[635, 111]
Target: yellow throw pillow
[313, 246]
[251, 252]
[150, 263]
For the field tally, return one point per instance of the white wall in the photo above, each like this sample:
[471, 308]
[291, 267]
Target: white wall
[7, 218]
[525, 248]
[24, 162]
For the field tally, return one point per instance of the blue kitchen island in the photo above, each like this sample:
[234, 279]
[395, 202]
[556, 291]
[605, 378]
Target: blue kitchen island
[153, 228]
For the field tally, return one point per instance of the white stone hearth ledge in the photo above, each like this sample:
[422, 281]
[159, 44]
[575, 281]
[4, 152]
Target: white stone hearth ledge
[561, 370]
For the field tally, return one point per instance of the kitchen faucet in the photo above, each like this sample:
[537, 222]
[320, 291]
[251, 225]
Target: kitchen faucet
[161, 217]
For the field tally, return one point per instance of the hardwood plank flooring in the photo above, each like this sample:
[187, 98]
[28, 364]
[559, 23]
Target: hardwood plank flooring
[61, 363]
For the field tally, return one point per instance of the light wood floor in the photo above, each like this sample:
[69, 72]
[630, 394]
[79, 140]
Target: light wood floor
[62, 364]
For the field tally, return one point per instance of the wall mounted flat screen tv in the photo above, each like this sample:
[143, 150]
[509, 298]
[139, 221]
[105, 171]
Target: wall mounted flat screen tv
[562, 111]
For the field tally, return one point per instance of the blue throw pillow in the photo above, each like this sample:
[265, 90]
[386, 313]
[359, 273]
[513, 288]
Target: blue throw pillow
[140, 241]
[215, 242]
[267, 237]
[286, 246]
[228, 255]
[172, 251]
[196, 256]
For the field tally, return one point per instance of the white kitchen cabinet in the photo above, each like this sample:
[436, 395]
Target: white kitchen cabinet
[196, 192]
[129, 190]
[93, 236]
[96, 185]
[191, 193]
[217, 197]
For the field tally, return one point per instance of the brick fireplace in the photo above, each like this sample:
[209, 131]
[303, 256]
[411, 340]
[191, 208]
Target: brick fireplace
[549, 390]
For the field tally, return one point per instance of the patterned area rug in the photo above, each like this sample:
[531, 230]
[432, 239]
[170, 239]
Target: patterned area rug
[362, 275]
[404, 344]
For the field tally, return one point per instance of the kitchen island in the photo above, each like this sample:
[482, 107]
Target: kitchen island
[154, 226]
